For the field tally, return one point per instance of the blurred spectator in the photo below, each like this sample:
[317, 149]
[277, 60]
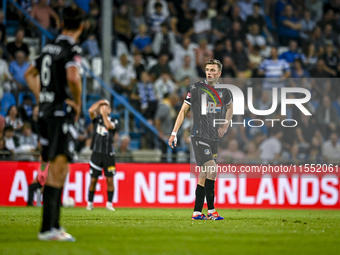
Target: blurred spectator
[241, 61]
[12, 13]
[17, 68]
[90, 47]
[220, 26]
[2, 123]
[252, 154]
[34, 121]
[316, 39]
[18, 45]
[43, 14]
[157, 18]
[124, 76]
[142, 42]
[328, 19]
[164, 42]
[310, 56]
[159, 68]
[255, 60]
[229, 70]
[180, 51]
[5, 75]
[183, 88]
[212, 11]
[165, 115]
[184, 27]
[26, 109]
[306, 129]
[315, 155]
[329, 36]
[292, 53]
[58, 7]
[186, 70]
[274, 70]
[265, 102]
[11, 141]
[137, 19]
[288, 26]
[2, 28]
[145, 93]
[327, 117]
[86, 151]
[4, 152]
[246, 8]
[307, 25]
[219, 50]
[12, 118]
[27, 138]
[203, 51]
[298, 71]
[331, 149]
[151, 8]
[320, 87]
[271, 147]
[257, 18]
[202, 27]
[232, 154]
[236, 34]
[198, 5]
[254, 38]
[80, 126]
[235, 17]
[138, 66]
[321, 70]
[123, 152]
[164, 85]
[122, 25]
[331, 59]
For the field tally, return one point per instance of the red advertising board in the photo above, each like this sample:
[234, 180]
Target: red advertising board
[170, 186]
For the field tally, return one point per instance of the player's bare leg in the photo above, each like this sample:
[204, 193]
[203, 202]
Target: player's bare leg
[110, 190]
[58, 170]
[92, 190]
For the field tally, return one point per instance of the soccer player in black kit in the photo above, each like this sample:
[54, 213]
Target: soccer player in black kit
[55, 81]
[204, 136]
[103, 152]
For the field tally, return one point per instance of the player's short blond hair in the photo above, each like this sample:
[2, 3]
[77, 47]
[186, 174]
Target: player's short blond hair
[214, 62]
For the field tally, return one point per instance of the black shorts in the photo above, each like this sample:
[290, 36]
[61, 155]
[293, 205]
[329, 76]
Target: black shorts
[204, 150]
[58, 137]
[100, 161]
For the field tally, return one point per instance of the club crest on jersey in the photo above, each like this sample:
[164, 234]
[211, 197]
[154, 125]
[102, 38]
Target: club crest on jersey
[188, 95]
[213, 108]
[220, 94]
[206, 151]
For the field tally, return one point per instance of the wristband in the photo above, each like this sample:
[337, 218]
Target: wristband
[174, 133]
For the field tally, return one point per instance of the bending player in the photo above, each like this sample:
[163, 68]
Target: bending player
[58, 92]
[103, 152]
[204, 136]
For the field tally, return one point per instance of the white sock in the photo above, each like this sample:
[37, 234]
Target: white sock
[108, 203]
[211, 211]
[197, 213]
[89, 203]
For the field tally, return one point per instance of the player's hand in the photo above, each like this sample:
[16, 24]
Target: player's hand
[76, 108]
[105, 102]
[221, 131]
[173, 139]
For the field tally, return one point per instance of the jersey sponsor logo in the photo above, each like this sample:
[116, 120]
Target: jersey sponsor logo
[77, 49]
[101, 130]
[210, 107]
[206, 151]
[46, 97]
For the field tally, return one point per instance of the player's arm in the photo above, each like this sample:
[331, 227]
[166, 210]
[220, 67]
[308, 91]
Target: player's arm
[223, 129]
[178, 123]
[33, 81]
[74, 83]
[94, 107]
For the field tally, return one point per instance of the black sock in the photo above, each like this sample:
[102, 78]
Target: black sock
[210, 193]
[57, 214]
[51, 198]
[91, 195]
[31, 189]
[109, 196]
[199, 198]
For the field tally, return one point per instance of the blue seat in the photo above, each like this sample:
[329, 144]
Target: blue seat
[6, 102]
[21, 97]
[93, 97]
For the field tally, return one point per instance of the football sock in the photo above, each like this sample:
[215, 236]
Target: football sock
[109, 196]
[33, 187]
[57, 213]
[51, 198]
[199, 198]
[91, 195]
[210, 193]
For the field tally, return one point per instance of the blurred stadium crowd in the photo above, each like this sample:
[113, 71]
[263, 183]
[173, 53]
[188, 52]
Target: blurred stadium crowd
[159, 47]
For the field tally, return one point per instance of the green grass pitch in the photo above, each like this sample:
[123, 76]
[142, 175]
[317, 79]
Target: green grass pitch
[171, 231]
